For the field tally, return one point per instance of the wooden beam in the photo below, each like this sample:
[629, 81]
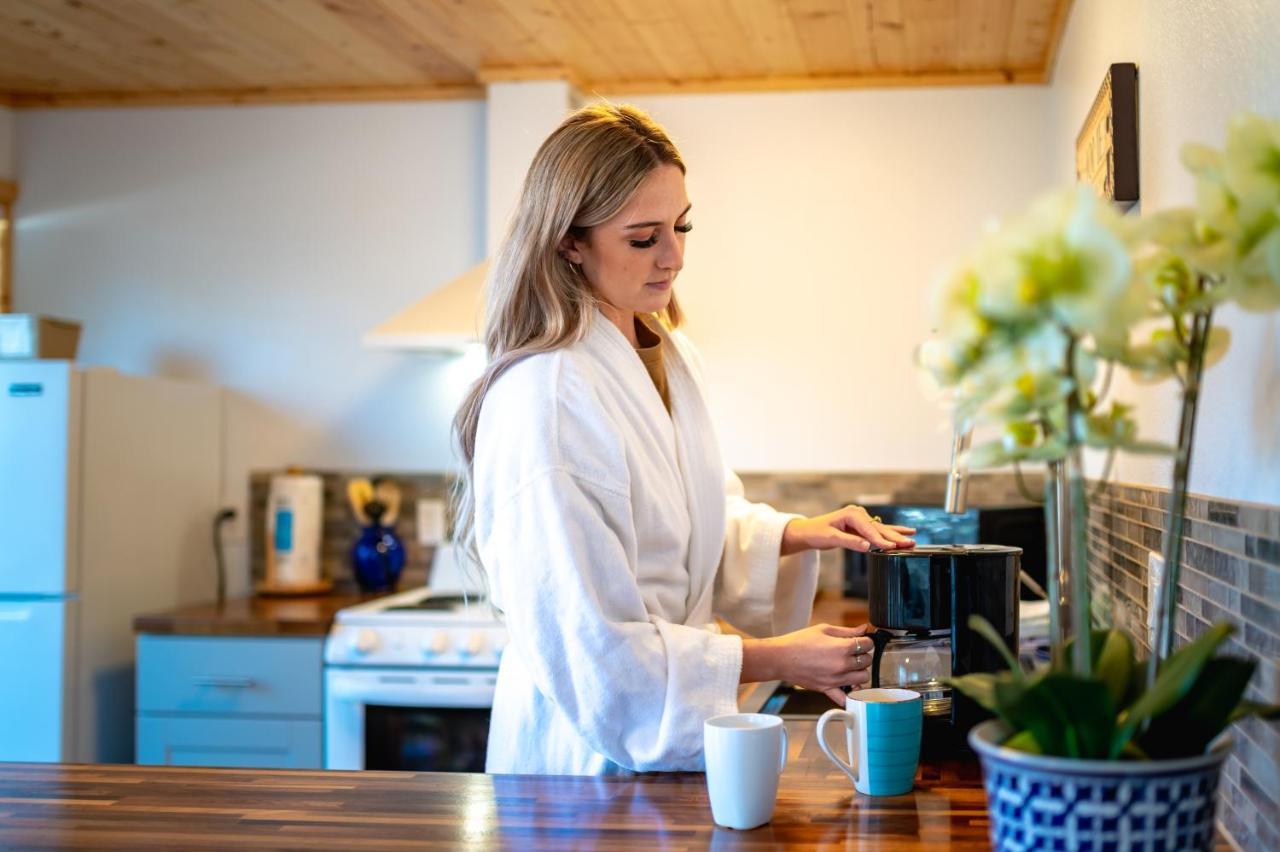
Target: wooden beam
[1010, 76]
[1013, 76]
[330, 94]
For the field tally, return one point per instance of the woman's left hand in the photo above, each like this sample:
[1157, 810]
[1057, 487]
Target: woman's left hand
[851, 527]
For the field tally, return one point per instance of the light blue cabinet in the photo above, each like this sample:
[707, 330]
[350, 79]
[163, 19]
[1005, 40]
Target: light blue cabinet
[230, 701]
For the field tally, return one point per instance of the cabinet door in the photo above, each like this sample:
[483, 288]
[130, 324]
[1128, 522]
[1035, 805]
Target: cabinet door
[258, 743]
[218, 675]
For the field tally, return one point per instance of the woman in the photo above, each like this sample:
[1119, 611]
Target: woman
[594, 497]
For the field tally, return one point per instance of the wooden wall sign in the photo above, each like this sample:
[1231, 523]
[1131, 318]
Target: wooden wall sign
[1107, 147]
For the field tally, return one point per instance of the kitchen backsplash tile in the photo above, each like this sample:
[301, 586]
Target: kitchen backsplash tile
[802, 493]
[1230, 572]
[341, 528]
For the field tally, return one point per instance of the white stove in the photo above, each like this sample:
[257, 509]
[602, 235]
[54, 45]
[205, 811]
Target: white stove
[409, 678]
[418, 628]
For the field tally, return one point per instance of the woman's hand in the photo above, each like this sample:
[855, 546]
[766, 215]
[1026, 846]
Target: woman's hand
[851, 527]
[824, 658]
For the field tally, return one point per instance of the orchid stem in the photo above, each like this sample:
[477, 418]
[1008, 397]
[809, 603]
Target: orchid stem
[1202, 324]
[1023, 488]
[1077, 556]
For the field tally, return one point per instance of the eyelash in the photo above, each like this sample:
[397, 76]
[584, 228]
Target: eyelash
[653, 240]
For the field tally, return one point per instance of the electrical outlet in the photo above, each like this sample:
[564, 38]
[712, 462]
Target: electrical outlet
[1155, 585]
[430, 522]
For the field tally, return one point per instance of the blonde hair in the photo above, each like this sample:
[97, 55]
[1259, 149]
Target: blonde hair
[535, 301]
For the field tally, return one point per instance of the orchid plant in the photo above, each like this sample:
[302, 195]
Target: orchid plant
[1028, 331]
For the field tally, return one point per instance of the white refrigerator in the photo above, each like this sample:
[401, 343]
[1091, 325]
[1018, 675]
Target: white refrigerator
[109, 484]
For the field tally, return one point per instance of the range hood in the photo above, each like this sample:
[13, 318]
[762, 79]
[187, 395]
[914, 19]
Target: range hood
[447, 320]
[519, 113]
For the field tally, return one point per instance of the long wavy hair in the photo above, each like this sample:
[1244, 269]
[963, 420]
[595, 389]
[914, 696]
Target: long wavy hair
[535, 300]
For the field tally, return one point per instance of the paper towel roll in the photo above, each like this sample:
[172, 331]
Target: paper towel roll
[294, 516]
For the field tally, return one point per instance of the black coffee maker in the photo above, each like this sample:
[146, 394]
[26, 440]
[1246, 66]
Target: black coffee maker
[920, 602]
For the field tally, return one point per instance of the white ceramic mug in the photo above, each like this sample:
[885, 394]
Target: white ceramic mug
[745, 754]
[882, 735]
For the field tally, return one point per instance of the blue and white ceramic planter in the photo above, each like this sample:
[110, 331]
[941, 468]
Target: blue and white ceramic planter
[1038, 802]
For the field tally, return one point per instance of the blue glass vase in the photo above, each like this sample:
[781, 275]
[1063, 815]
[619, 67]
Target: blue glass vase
[377, 558]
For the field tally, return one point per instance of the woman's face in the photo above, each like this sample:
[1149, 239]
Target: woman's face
[631, 260]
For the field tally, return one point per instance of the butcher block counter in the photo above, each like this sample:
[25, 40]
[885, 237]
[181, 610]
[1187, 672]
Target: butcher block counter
[137, 807]
[309, 615]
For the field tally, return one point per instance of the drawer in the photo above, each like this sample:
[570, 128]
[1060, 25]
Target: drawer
[221, 675]
[261, 743]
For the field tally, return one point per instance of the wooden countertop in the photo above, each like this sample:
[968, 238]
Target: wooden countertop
[136, 807]
[311, 615]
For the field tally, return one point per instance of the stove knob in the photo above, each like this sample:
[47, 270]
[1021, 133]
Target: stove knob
[474, 646]
[436, 644]
[365, 641]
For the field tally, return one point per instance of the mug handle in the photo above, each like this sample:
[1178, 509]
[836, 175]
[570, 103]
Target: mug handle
[848, 769]
[782, 764]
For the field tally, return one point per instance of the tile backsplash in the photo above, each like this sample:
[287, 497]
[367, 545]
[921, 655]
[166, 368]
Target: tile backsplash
[1230, 572]
[341, 528]
[802, 493]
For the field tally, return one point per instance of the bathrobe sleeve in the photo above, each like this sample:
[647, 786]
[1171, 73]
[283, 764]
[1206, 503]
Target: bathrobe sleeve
[757, 591]
[636, 688]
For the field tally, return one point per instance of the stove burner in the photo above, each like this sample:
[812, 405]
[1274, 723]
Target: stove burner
[438, 603]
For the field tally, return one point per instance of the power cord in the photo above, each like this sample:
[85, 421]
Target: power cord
[224, 515]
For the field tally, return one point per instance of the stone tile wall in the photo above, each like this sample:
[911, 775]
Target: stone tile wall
[1230, 572]
[341, 528]
[802, 493]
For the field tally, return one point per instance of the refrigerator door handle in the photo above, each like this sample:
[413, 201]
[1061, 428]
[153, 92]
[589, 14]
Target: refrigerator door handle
[224, 682]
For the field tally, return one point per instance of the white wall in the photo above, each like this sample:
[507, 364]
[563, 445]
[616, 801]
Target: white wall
[820, 221]
[252, 246]
[520, 115]
[1199, 62]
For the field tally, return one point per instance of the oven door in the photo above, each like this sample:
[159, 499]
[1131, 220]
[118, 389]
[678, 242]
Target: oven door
[426, 721]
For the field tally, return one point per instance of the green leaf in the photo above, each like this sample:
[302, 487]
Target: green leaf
[1133, 752]
[1175, 679]
[1069, 716]
[1112, 654]
[1188, 727]
[1244, 709]
[981, 687]
[1023, 741]
[1114, 664]
[983, 628]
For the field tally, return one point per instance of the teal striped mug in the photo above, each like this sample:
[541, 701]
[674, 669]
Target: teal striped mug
[882, 735]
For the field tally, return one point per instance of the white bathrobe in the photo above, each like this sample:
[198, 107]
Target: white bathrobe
[612, 535]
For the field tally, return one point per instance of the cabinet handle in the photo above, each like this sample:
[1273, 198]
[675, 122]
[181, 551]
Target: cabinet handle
[224, 682]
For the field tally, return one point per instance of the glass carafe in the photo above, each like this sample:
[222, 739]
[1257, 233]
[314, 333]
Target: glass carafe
[918, 661]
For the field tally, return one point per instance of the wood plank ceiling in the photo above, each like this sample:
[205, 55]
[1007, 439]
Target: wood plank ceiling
[82, 52]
